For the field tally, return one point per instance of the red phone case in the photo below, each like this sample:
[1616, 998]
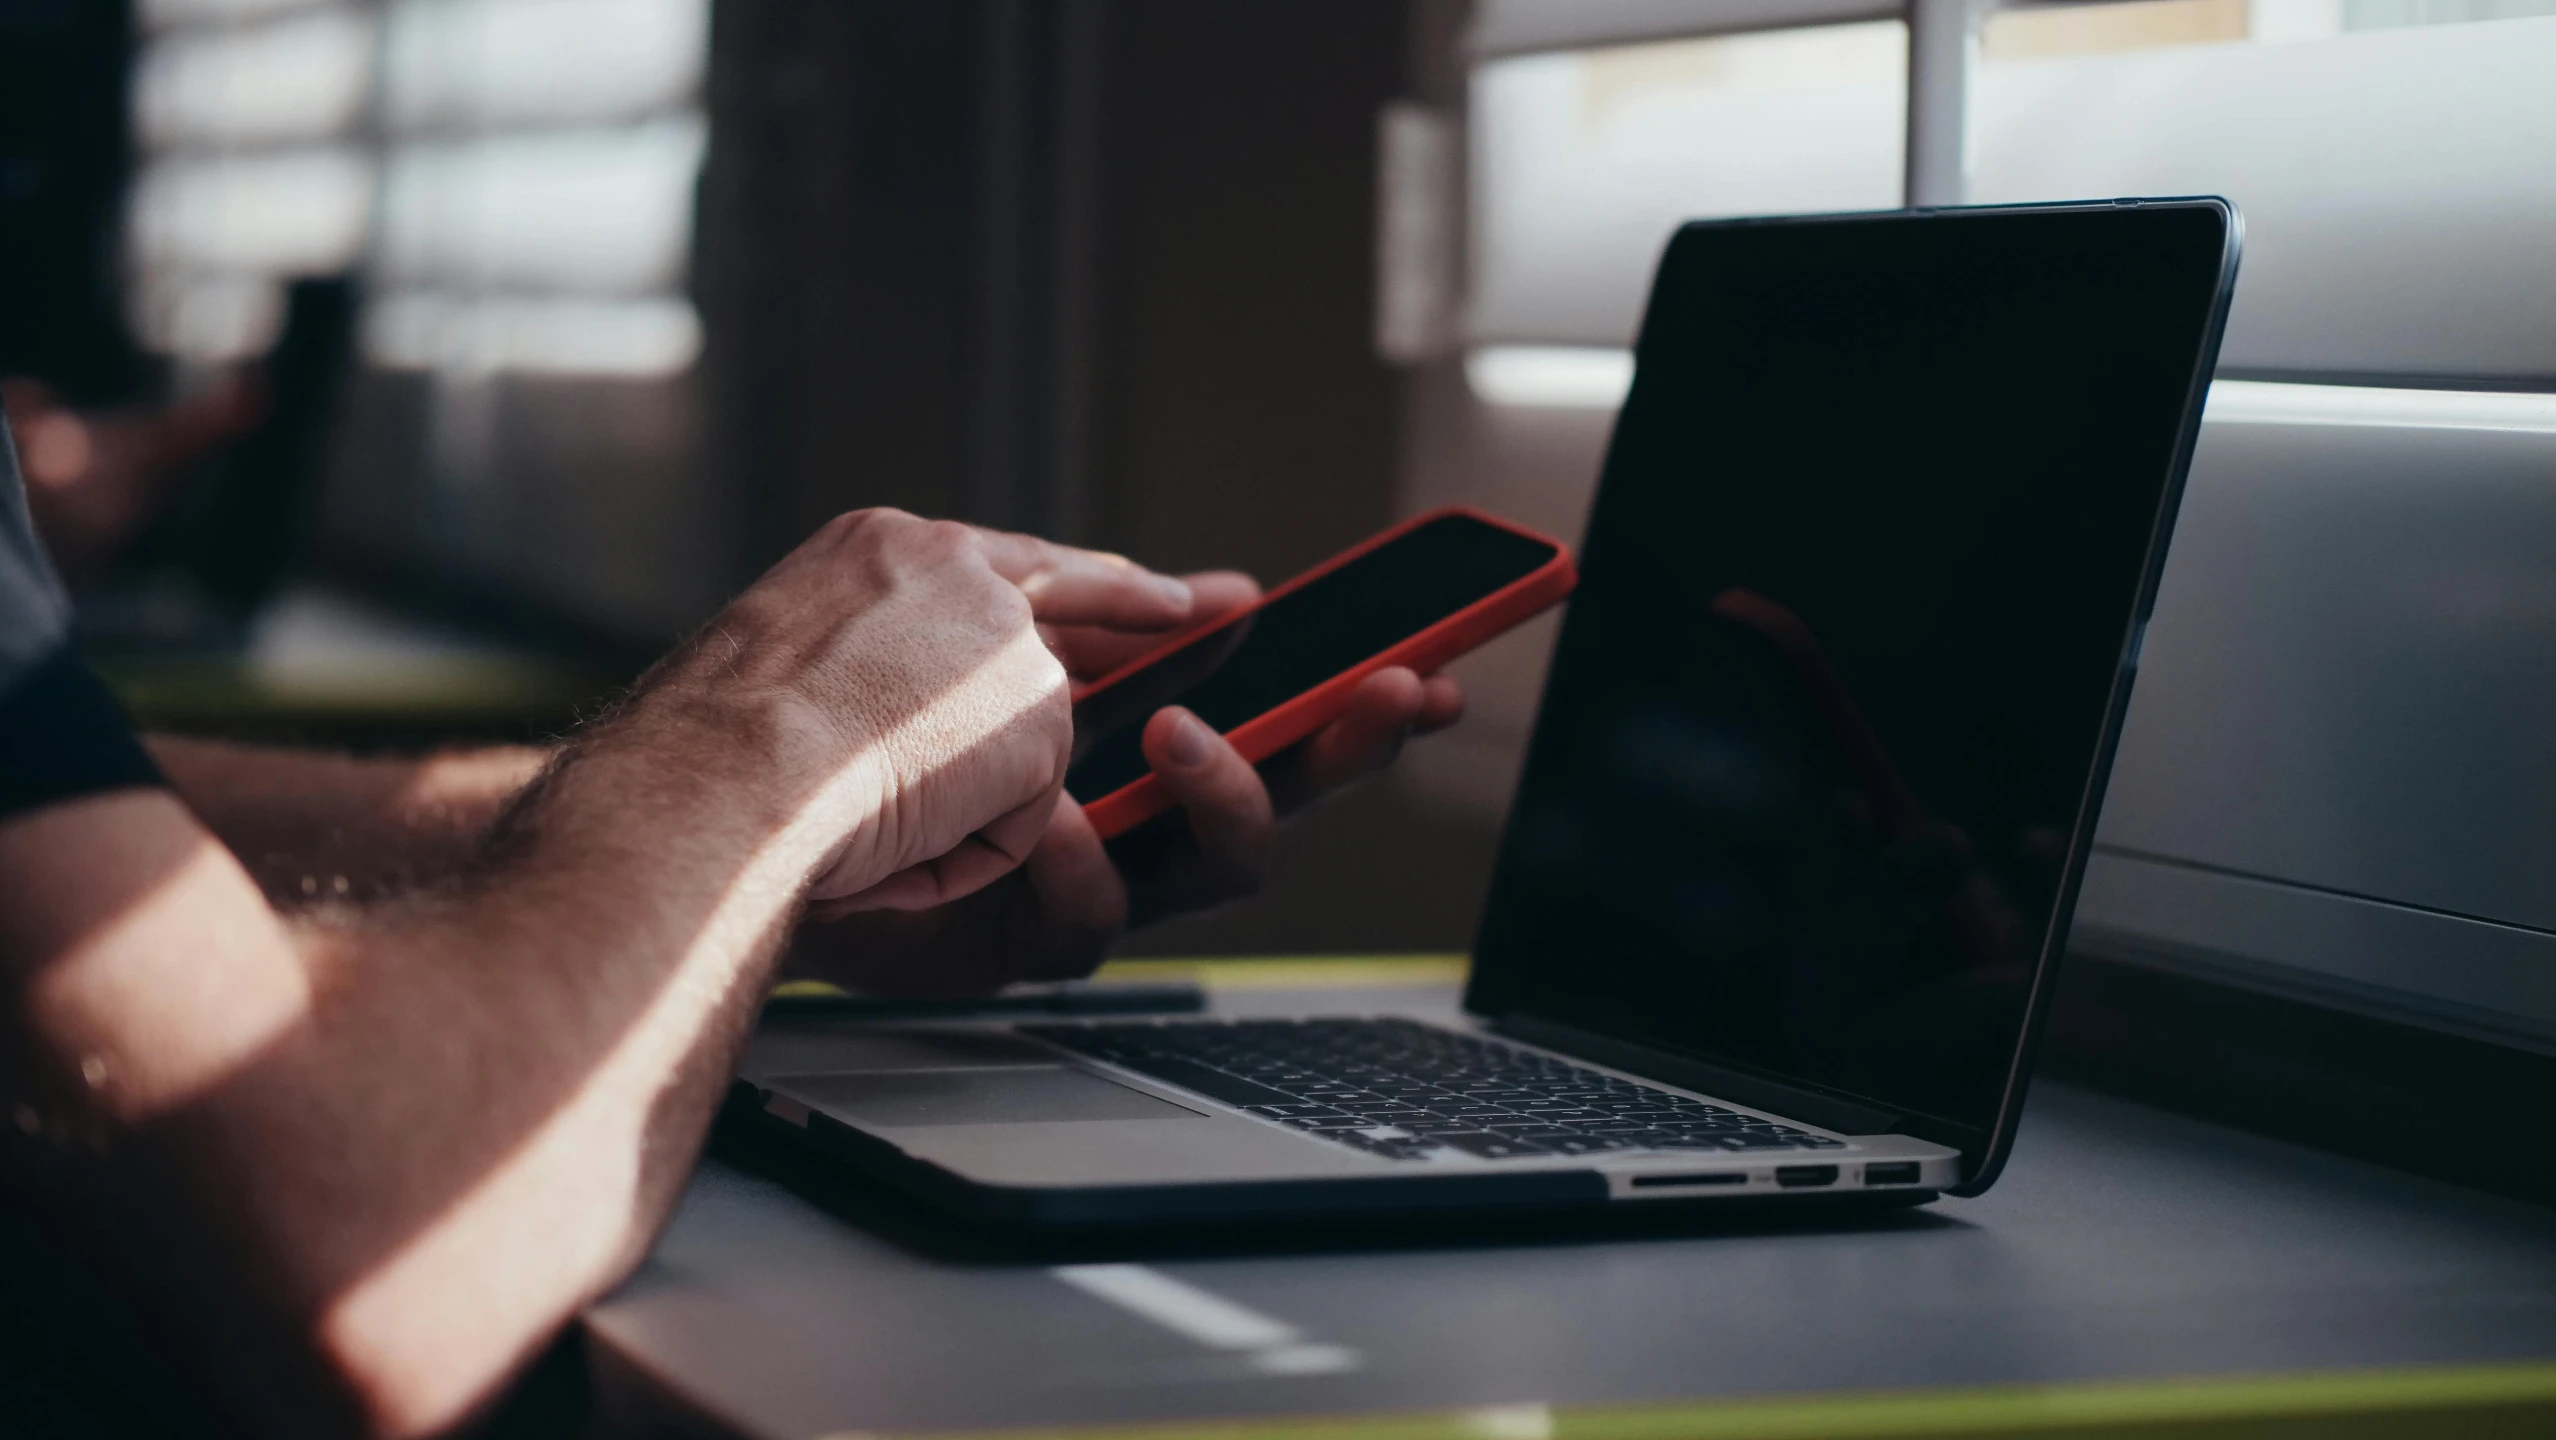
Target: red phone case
[1271, 731]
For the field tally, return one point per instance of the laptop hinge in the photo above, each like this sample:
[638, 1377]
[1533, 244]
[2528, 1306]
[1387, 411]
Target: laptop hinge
[1791, 1101]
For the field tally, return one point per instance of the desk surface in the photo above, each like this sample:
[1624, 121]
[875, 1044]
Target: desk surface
[2131, 1266]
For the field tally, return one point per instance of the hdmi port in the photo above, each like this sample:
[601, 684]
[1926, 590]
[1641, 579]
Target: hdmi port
[1803, 1177]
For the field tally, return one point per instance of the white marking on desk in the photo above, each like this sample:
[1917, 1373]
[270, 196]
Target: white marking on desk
[1275, 1347]
[1306, 1360]
[1510, 1422]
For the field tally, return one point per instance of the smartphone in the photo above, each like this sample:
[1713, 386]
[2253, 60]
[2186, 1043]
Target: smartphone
[1420, 594]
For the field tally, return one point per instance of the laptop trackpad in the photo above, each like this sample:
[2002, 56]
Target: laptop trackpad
[975, 1097]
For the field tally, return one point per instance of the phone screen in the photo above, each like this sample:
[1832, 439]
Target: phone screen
[1272, 654]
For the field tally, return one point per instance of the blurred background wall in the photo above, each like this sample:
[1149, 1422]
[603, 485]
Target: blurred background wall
[571, 315]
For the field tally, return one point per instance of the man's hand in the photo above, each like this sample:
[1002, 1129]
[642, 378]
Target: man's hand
[1055, 917]
[94, 479]
[892, 671]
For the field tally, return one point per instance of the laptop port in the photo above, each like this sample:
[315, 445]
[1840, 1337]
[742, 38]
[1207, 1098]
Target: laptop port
[1718, 1177]
[1803, 1177]
[1898, 1172]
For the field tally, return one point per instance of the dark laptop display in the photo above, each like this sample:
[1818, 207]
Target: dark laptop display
[1810, 787]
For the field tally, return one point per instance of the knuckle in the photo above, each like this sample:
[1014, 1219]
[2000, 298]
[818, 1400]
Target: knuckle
[1053, 714]
[874, 519]
[995, 611]
[948, 539]
[1044, 670]
[1011, 609]
[1050, 709]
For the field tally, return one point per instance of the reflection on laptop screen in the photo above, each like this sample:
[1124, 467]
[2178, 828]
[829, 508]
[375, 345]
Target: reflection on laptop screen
[1806, 786]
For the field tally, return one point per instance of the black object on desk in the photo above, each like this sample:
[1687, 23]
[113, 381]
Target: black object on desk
[1067, 998]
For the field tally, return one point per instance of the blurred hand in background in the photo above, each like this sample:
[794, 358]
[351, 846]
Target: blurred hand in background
[96, 477]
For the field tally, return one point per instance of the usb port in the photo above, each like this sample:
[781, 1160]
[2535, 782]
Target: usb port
[1803, 1177]
[1898, 1172]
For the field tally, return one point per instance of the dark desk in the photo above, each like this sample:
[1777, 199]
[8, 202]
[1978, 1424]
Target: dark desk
[2134, 1273]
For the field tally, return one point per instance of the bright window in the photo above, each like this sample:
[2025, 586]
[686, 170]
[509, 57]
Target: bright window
[1584, 161]
[512, 179]
[2389, 155]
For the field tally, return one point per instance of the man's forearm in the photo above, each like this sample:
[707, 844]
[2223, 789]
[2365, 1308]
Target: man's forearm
[418, 1132]
[362, 1159]
[609, 972]
[313, 826]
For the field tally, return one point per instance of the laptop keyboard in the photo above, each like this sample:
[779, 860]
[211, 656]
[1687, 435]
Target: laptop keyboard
[1406, 1091]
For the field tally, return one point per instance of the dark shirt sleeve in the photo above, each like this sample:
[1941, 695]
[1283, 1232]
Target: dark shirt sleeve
[61, 734]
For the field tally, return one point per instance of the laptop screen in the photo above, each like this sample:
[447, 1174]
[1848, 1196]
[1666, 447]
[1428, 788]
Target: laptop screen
[1807, 797]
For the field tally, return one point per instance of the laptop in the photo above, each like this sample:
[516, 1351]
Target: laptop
[1809, 793]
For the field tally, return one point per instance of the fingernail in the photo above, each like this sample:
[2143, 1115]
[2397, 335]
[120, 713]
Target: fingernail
[1189, 744]
[1176, 591]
